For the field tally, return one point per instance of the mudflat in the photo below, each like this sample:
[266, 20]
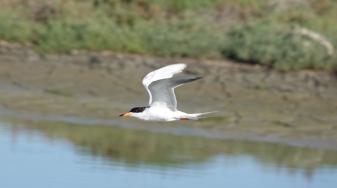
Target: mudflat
[254, 103]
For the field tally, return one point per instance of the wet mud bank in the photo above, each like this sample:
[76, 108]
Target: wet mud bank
[298, 108]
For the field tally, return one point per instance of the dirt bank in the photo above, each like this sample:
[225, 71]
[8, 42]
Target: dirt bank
[254, 102]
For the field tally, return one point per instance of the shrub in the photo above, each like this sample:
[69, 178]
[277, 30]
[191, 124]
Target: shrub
[275, 44]
[181, 38]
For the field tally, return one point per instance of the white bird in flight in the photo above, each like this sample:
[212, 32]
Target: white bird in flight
[160, 85]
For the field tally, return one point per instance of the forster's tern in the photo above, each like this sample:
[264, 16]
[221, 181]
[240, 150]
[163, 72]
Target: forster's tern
[160, 85]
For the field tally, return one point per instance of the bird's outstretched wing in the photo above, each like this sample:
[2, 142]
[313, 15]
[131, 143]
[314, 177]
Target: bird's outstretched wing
[160, 84]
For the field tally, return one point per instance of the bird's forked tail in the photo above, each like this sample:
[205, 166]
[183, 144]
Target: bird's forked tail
[202, 115]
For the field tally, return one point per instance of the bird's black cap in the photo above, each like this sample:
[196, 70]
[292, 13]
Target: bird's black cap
[138, 109]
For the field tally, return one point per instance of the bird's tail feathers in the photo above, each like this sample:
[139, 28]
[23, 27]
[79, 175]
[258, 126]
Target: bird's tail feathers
[202, 115]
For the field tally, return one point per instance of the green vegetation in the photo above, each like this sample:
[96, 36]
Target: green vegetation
[276, 45]
[252, 31]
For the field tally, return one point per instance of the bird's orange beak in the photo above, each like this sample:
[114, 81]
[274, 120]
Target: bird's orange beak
[126, 114]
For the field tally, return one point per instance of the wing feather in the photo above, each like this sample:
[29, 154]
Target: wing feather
[161, 83]
[162, 73]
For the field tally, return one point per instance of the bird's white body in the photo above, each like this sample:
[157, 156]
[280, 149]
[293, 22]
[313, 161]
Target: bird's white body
[158, 114]
[162, 113]
[160, 85]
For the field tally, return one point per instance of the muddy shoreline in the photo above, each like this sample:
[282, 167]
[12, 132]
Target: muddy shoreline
[255, 103]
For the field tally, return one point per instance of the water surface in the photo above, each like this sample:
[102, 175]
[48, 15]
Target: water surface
[43, 154]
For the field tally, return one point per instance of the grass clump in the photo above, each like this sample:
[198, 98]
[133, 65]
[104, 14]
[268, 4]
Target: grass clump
[13, 27]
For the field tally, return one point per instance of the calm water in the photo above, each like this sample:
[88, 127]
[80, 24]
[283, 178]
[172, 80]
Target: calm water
[49, 154]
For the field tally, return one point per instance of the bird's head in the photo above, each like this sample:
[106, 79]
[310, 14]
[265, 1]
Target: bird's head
[134, 112]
